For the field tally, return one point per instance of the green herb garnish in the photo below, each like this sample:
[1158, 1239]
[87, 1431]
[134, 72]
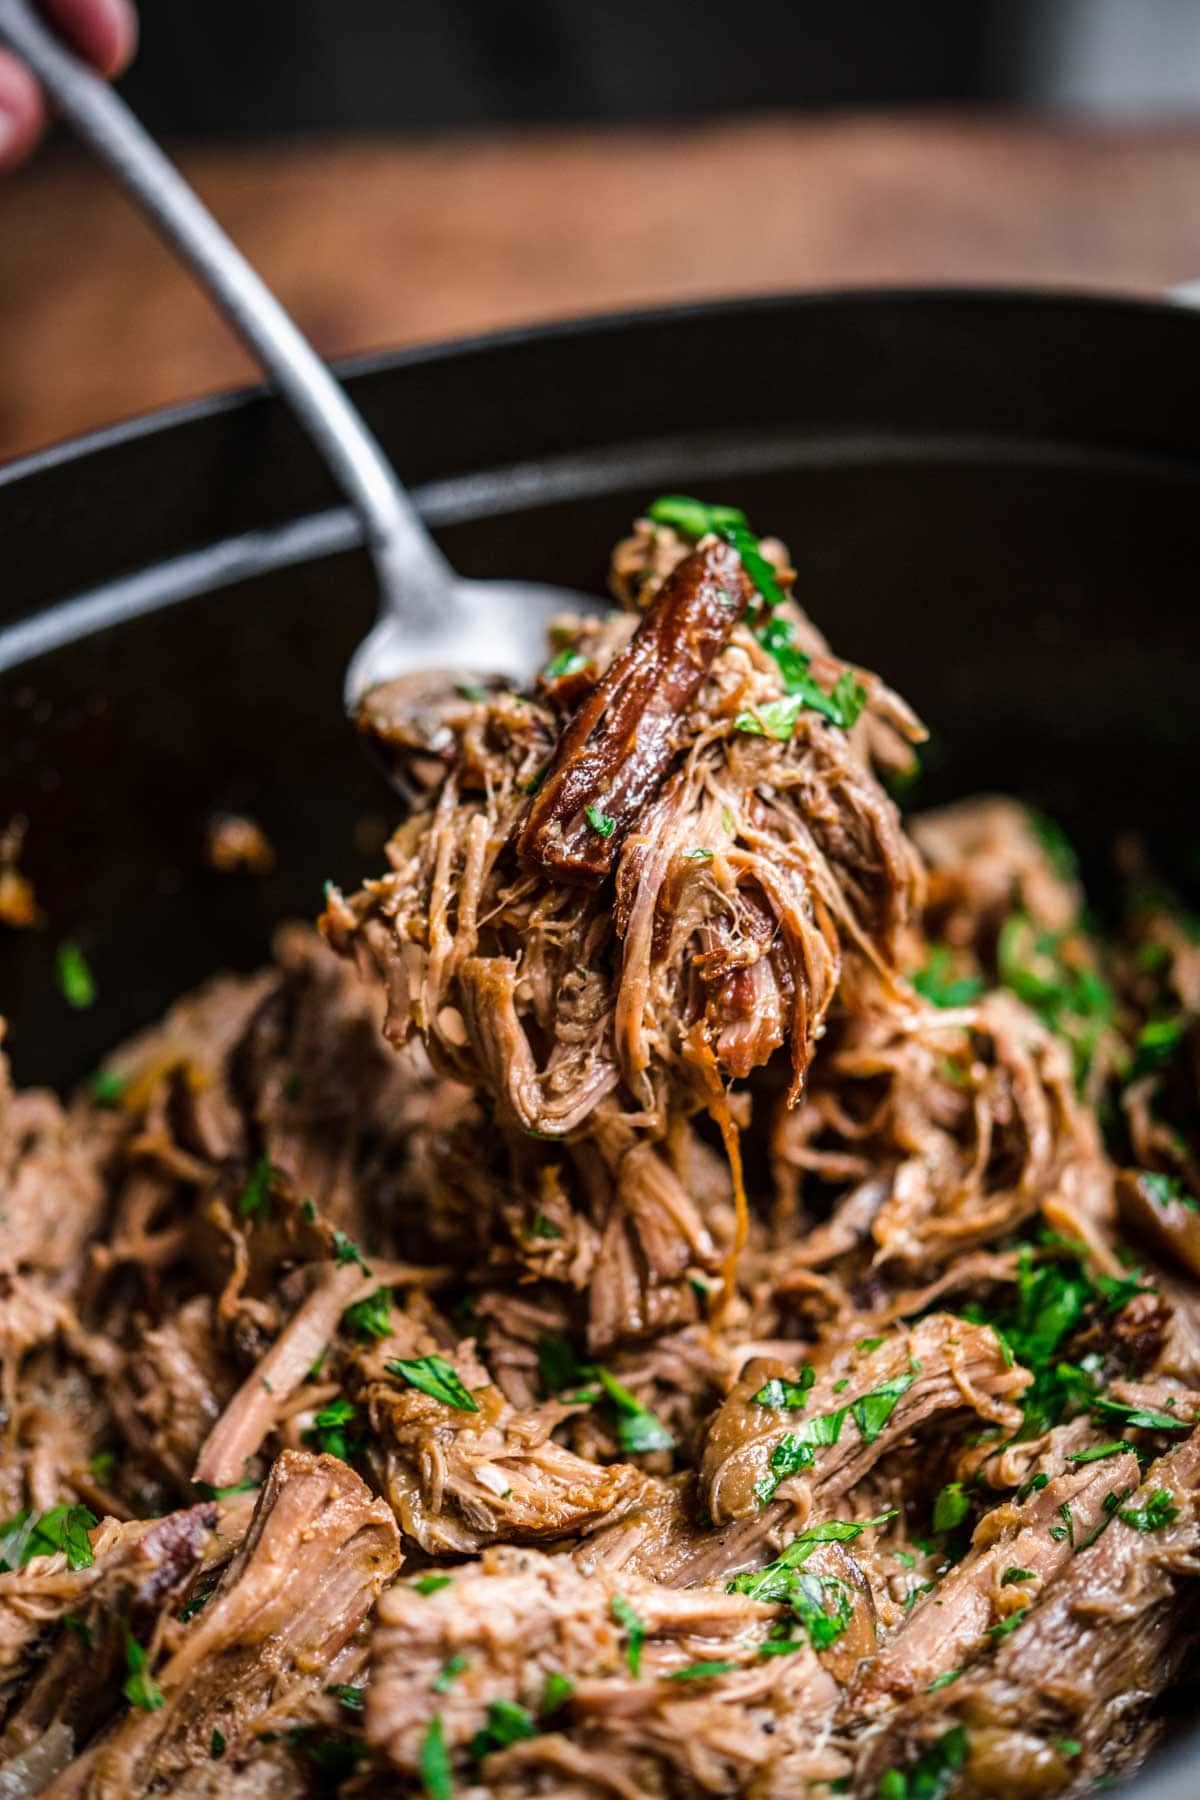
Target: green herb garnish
[784, 1395]
[330, 1433]
[430, 1584]
[1166, 1189]
[75, 980]
[567, 662]
[1099, 1451]
[216, 1744]
[256, 1195]
[140, 1687]
[638, 1430]
[345, 1250]
[702, 1671]
[370, 1320]
[352, 1698]
[950, 1507]
[1159, 1510]
[937, 983]
[434, 1376]
[449, 1673]
[600, 821]
[508, 1722]
[635, 1631]
[63, 1528]
[933, 1774]
[557, 1692]
[433, 1762]
[108, 1087]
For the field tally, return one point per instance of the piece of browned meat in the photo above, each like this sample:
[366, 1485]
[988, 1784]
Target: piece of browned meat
[319, 1551]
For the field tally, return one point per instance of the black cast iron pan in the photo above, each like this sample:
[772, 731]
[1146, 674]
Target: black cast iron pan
[992, 498]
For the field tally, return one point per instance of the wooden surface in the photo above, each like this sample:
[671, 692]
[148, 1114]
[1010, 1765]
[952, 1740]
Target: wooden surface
[374, 244]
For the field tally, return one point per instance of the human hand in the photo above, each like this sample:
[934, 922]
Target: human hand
[103, 31]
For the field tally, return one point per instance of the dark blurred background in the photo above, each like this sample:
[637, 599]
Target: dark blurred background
[404, 170]
[231, 68]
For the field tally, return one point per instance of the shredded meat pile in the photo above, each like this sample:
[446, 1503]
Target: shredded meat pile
[693, 1287]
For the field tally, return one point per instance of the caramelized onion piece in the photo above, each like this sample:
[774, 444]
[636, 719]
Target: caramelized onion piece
[617, 748]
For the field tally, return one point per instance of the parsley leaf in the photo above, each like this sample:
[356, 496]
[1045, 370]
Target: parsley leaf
[256, 1195]
[328, 1432]
[352, 1698]
[1143, 1418]
[872, 1412]
[1160, 1509]
[783, 1394]
[950, 1507]
[933, 1774]
[370, 1320]
[1166, 1189]
[1013, 1574]
[557, 1692]
[600, 821]
[63, 1528]
[635, 1631]
[108, 1087]
[75, 980]
[567, 662]
[701, 1671]
[936, 982]
[1099, 1451]
[508, 1722]
[1006, 1626]
[433, 1762]
[449, 1672]
[638, 1431]
[430, 1584]
[345, 1250]
[434, 1376]
[140, 1687]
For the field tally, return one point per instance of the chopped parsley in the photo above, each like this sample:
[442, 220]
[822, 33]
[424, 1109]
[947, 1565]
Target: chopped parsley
[797, 1450]
[600, 821]
[1068, 1746]
[950, 1507]
[786, 1582]
[352, 1698]
[937, 983]
[430, 1584]
[557, 1692]
[1159, 1510]
[75, 981]
[1013, 1574]
[449, 1673]
[79, 1627]
[634, 1629]
[786, 1395]
[256, 1195]
[1043, 968]
[872, 1412]
[1156, 1045]
[698, 855]
[108, 1087]
[702, 1671]
[470, 690]
[1067, 1528]
[638, 1430]
[1007, 1626]
[1099, 1451]
[63, 1528]
[140, 1687]
[865, 1345]
[1166, 1190]
[567, 662]
[1142, 1418]
[216, 1744]
[933, 1774]
[345, 1250]
[433, 1762]
[543, 1227]
[370, 1320]
[330, 1431]
[941, 1681]
[434, 1376]
[508, 1722]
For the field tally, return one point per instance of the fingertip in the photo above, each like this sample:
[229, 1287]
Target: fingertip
[22, 113]
[105, 31]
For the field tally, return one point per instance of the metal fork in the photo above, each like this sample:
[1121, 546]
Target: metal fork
[429, 617]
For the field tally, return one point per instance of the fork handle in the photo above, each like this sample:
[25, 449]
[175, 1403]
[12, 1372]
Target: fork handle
[407, 560]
